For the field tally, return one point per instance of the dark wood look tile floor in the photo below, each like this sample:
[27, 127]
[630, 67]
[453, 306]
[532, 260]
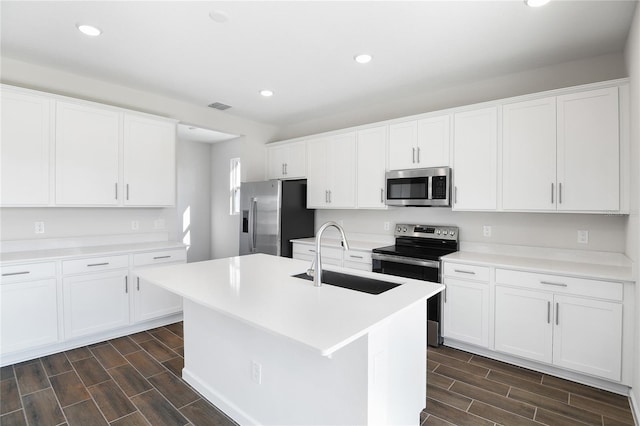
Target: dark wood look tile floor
[135, 380]
[466, 389]
[130, 381]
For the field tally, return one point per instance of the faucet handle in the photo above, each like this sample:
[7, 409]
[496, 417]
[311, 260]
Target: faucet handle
[311, 272]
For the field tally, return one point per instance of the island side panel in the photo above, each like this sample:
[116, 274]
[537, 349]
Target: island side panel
[297, 385]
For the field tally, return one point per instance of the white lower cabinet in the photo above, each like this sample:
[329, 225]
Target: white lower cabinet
[95, 302]
[354, 259]
[466, 304]
[357, 259]
[149, 300]
[561, 321]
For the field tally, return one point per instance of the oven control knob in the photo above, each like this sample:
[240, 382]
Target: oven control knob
[451, 233]
[438, 231]
[398, 229]
[404, 229]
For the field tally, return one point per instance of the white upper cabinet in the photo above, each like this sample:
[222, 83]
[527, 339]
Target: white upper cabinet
[419, 143]
[372, 161]
[87, 155]
[287, 161]
[562, 153]
[475, 144]
[529, 155]
[149, 161]
[331, 172]
[25, 140]
[589, 151]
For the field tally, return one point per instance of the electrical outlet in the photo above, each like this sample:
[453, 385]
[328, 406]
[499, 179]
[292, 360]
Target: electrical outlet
[135, 225]
[256, 372]
[386, 226]
[583, 237]
[486, 230]
[38, 227]
[158, 224]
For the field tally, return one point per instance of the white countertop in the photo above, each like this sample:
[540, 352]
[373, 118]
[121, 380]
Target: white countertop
[259, 289]
[353, 245]
[574, 268]
[62, 253]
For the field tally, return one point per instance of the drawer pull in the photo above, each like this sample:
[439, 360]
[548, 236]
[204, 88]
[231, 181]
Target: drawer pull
[356, 257]
[557, 314]
[138, 280]
[161, 257]
[8, 274]
[98, 264]
[552, 283]
[548, 312]
[462, 271]
[126, 284]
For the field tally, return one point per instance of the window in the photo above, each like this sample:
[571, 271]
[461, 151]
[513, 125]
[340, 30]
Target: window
[234, 186]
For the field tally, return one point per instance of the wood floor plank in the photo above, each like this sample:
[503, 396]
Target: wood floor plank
[595, 394]
[41, 408]
[78, 354]
[6, 372]
[108, 356]
[90, 371]
[145, 363]
[499, 415]
[450, 352]
[143, 336]
[9, 396]
[176, 328]
[157, 410]
[453, 415]
[435, 421]
[157, 350]
[549, 392]
[56, 364]
[112, 402]
[556, 406]
[548, 417]
[602, 408]
[477, 381]
[31, 377]
[450, 398]
[460, 365]
[125, 345]
[168, 338]
[514, 370]
[69, 388]
[133, 419]
[439, 380]
[174, 389]
[130, 380]
[83, 414]
[201, 413]
[15, 418]
[517, 407]
[175, 365]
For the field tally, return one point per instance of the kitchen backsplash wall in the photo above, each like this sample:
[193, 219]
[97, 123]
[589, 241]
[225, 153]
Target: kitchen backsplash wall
[553, 230]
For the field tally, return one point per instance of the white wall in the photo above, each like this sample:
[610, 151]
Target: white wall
[606, 233]
[632, 56]
[69, 222]
[193, 204]
[600, 68]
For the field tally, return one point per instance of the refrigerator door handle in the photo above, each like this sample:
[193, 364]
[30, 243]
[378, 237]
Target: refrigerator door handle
[254, 224]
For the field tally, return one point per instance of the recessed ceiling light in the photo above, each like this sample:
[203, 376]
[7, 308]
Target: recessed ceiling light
[536, 3]
[219, 16]
[89, 30]
[363, 59]
[266, 93]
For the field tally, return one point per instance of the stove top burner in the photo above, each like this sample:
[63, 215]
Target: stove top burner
[422, 241]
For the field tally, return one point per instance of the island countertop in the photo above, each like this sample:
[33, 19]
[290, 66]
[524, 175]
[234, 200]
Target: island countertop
[259, 289]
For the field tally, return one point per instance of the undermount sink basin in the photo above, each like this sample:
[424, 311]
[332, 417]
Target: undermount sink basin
[352, 282]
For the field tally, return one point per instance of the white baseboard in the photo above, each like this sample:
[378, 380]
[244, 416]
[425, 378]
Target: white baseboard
[635, 408]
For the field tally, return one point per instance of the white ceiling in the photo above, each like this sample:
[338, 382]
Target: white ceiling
[186, 132]
[303, 51]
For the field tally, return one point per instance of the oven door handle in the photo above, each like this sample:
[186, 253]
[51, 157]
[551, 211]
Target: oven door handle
[406, 260]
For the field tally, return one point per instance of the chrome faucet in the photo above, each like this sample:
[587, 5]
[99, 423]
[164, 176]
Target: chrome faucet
[317, 273]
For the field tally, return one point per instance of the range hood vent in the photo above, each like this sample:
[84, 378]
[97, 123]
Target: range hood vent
[219, 105]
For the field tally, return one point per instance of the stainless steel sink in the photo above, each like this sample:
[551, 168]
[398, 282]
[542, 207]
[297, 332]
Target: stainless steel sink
[352, 282]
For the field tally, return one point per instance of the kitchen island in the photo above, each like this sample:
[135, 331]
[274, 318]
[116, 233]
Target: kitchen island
[269, 348]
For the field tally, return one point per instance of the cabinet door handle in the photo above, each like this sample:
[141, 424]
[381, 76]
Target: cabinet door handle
[161, 257]
[462, 271]
[418, 151]
[127, 187]
[560, 193]
[116, 185]
[382, 195]
[413, 155]
[8, 274]
[445, 294]
[557, 313]
[552, 283]
[98, 264]
[286, 172]
[455, 195]
[551, 192]
[126, 284]
[548, 312]
[138, 283]
[329, 196]
[326, 196]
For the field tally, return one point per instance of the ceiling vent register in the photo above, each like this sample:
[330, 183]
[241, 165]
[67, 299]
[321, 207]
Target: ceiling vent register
[219, 105]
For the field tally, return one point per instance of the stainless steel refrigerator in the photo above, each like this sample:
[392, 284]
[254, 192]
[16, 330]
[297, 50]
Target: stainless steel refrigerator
[273, 213]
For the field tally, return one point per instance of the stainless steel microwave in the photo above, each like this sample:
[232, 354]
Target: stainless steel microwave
[419, 187]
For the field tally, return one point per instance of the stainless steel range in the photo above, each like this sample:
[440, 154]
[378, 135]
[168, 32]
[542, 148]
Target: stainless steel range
[416, 254]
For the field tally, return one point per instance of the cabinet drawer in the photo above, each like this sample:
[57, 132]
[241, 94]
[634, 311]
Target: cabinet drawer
[28, 272]
[151, 258]
[559, 284]
[358, 256]
[93, 264]
[470, 272]
[327, 252]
